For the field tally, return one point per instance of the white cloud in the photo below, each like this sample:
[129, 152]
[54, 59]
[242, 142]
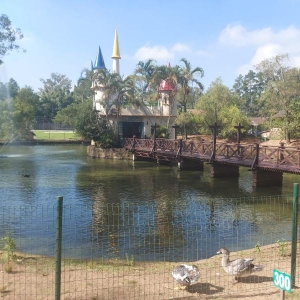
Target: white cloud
[239, 36]
[181, 48]
[265, 42]
[155, 52]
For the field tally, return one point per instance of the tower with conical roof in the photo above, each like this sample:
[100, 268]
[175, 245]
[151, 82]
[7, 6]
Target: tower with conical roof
[97, 87]
[167, 102]
[116, 55]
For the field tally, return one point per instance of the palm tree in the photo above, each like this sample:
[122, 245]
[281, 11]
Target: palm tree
[188, 76]
[144, 80]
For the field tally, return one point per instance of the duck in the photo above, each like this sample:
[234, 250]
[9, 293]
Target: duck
[185, 275]
[240, 267]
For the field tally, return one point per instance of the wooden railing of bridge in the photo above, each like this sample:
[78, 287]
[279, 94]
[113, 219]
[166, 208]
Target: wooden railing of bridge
[282, 159]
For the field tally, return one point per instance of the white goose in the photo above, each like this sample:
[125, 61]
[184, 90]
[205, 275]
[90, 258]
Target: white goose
[240, 267]
[185, 275]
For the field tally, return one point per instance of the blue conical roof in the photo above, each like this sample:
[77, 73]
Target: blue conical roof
[99, 62]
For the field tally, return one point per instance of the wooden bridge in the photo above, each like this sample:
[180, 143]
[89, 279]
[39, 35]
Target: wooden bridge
[269, 158]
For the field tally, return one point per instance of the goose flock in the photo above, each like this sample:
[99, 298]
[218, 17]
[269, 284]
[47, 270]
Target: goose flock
[186, 275]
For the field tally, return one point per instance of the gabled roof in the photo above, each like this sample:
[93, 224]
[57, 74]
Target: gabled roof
[99, 62]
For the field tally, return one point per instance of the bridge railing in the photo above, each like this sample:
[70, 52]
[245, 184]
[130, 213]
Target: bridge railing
[236, 151]
[167, 145]
[259, 155]
[279, 156]
[196, 147]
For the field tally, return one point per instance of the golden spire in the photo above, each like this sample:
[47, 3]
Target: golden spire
[116, 51]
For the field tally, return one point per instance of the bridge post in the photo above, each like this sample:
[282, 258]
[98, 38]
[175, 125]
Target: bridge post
[175, 129]
[154, 135]
[188, 164]
[256, 160]
[262, 177]
[281, 156]
[223, 170]
[134, 157]
[238, 136]
[214, 129]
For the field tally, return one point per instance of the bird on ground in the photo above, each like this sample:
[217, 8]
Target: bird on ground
[185, 275]
[240, 267]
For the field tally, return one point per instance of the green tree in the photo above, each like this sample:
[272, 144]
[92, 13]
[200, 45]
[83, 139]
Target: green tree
[7, 131]
[24, 111]
[187, 77]
[249, 89]
[143, 79]
[55, 95]
[82, 91]
[9, 90]
[282, 92]
[13, 88]
[8, 37]
[217, 103]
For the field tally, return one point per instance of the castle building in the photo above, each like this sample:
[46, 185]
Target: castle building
[134, 121]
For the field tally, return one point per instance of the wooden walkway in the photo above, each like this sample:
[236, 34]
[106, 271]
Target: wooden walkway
[278, 159]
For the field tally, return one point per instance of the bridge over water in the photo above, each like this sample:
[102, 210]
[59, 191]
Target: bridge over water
[268, 163]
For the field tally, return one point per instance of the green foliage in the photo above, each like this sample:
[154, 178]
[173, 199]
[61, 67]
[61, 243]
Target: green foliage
[282, 92]
[9, 246]
[186, 77]
[87, 122]
[162, 132]
[55, 95]
[229, 117]
[107, 139]
[192, 122]
[7, 130]
[8, 37]
[282, 248]
[82, 91]
[130, 260]
[24, 111]
[220, 105]
[249, 89]
[257, 247]
[9, 90]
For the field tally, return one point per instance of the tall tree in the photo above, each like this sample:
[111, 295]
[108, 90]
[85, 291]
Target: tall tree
[117, 91]
[55, 95]
[187, 77]
[249, 89]
[82, 91]
[24, 111]
[282, 92]
[8, 37]
[143, 80]
[13, 88]
[219, 104]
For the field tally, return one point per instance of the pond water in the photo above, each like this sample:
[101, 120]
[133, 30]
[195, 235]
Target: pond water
[119, 209]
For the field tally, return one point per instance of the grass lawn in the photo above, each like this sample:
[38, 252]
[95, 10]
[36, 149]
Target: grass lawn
[55, 135]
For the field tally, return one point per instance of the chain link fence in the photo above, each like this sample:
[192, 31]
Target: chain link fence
[115, 251]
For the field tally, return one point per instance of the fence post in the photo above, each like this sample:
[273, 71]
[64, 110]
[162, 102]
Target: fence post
[59, 210]
[294, 232]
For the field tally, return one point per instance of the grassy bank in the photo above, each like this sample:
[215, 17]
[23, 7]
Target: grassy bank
[55, 135]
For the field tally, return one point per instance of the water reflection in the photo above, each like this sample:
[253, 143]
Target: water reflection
[118, 209]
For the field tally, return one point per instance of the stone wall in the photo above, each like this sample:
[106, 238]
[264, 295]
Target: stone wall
[113, 153]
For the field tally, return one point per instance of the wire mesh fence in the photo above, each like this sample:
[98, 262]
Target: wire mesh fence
[116, 251]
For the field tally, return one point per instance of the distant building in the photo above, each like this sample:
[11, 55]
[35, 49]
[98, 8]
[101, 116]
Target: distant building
[135, 121]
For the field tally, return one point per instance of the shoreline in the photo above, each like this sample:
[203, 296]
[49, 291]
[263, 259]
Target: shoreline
[43, 142]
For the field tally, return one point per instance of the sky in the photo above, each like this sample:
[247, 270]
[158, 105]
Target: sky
[223, 37]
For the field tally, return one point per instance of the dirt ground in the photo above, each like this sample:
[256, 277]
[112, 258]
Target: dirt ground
[33, 278]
